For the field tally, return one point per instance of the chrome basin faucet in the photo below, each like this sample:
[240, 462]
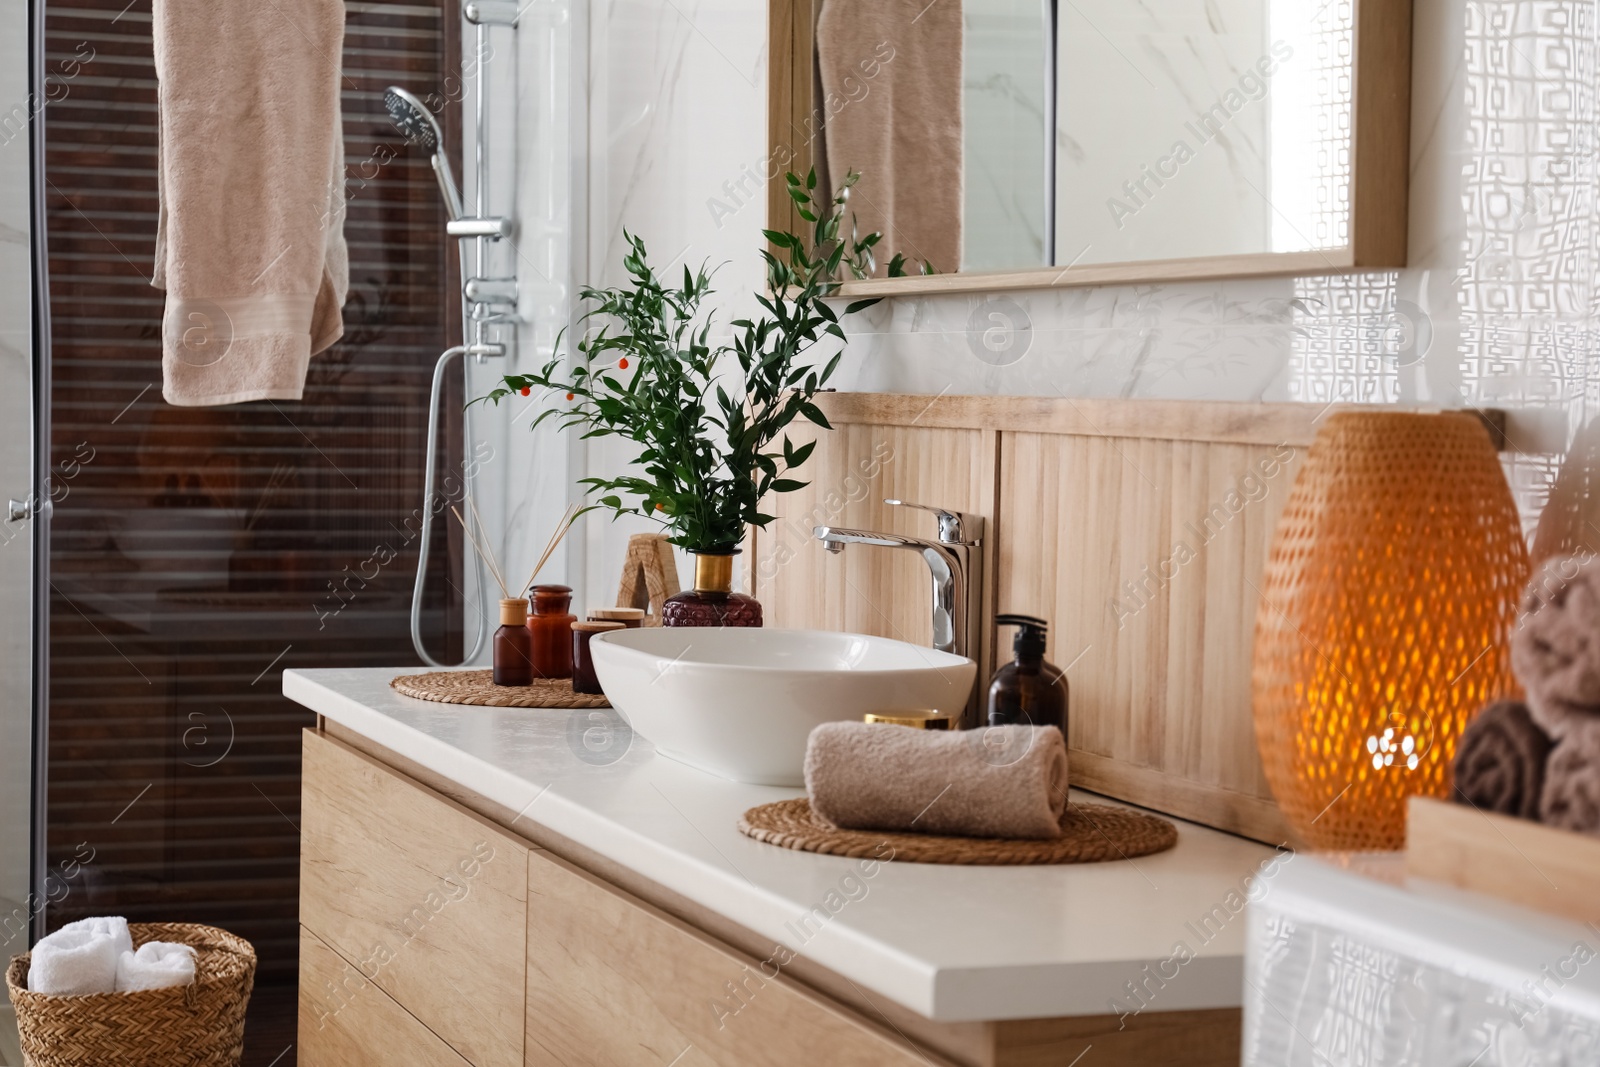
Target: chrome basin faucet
[953, 562]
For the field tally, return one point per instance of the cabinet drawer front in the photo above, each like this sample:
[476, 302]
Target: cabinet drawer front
[346, 1021]
[613, 982]
[428, 900]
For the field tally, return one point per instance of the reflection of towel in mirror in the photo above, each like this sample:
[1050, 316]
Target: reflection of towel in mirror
[250, 245]
[892, 109]
[1555, 648]
[1571, 798]
[1500, 761]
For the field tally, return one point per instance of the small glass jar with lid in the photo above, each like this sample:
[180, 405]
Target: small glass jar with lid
[584, 679]
[632, 618]
[550, 630]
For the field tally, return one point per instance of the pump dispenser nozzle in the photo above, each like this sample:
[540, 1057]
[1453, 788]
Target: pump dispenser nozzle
[1031, 632]
[1028, 691]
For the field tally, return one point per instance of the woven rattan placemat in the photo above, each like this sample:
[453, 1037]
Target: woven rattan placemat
[477, 687]
[1092, 833]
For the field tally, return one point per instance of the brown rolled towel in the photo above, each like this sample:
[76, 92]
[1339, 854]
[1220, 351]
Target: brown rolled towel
[1571, 797]
[1555, 649]
[1500, 761]
[1003, 781]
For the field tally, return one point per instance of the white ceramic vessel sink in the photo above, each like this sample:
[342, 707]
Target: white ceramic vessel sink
[740, 703]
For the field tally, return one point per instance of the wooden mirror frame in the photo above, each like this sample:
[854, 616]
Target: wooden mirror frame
[1380, 166]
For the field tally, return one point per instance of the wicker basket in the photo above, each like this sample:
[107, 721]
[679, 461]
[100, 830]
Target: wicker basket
[199, 1025]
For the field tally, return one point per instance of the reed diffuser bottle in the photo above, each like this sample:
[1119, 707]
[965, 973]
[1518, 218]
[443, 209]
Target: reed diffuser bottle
[513, 662]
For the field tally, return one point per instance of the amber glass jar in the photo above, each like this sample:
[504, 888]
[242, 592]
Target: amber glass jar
[550, 630]
[513, 664]
[712, 601]
[584, 679]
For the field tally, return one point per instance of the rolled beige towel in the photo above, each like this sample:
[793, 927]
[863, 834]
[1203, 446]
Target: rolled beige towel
[1555, 649]
[1003, 781]
[1500, 761]
[1571, 797]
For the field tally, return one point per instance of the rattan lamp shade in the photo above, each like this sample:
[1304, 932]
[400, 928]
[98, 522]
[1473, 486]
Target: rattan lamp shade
[1389, 592]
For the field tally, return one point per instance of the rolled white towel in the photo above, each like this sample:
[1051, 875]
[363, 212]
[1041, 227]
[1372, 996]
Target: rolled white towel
[157, 965]
[73, 963]
[112, 926]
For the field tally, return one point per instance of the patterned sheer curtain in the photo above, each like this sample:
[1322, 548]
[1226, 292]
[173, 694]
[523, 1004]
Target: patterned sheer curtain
[1499, 306]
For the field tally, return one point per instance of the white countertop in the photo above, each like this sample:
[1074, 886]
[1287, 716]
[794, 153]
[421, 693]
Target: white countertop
[950, 943]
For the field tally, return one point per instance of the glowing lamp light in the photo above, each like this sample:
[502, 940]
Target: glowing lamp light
[1390, 590]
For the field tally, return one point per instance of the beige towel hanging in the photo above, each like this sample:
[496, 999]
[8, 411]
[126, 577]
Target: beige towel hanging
[900, 128]
[250, 246]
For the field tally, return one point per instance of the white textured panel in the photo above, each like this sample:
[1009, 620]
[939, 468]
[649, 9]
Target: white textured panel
[1349, 971]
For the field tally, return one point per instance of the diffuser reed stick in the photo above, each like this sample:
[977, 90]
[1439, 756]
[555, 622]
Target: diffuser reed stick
[484, 554]
[486, 541]
[568, 517]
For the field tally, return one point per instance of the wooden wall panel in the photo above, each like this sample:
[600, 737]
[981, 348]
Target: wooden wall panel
[1144, 554]
[1139, 529]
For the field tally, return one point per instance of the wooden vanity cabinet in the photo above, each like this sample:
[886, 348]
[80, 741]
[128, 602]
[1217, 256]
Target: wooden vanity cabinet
[347, 1020]
[427, 901]
[432, 937]
[664, 990]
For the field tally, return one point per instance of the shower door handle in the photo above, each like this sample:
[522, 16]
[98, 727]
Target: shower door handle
[19, 510]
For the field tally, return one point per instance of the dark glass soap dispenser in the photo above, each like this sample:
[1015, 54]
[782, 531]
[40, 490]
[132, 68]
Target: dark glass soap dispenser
[1028, 691]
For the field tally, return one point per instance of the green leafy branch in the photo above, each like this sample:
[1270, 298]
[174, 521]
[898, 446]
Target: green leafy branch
[708, 456]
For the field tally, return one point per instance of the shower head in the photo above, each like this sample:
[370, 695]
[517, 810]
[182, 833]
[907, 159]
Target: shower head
[412, 118]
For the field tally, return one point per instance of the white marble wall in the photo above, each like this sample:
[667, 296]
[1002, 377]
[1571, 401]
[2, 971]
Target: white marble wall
[1495, 307]
[677, 145]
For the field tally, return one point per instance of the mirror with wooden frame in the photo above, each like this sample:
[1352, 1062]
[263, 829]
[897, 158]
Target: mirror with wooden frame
[1014, 144]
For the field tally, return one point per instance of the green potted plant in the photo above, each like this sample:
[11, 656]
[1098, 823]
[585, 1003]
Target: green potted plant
[711, 443]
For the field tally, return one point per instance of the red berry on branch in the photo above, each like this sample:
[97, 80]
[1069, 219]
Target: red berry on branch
[526, 390]
[623, 362]
[571, 395]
